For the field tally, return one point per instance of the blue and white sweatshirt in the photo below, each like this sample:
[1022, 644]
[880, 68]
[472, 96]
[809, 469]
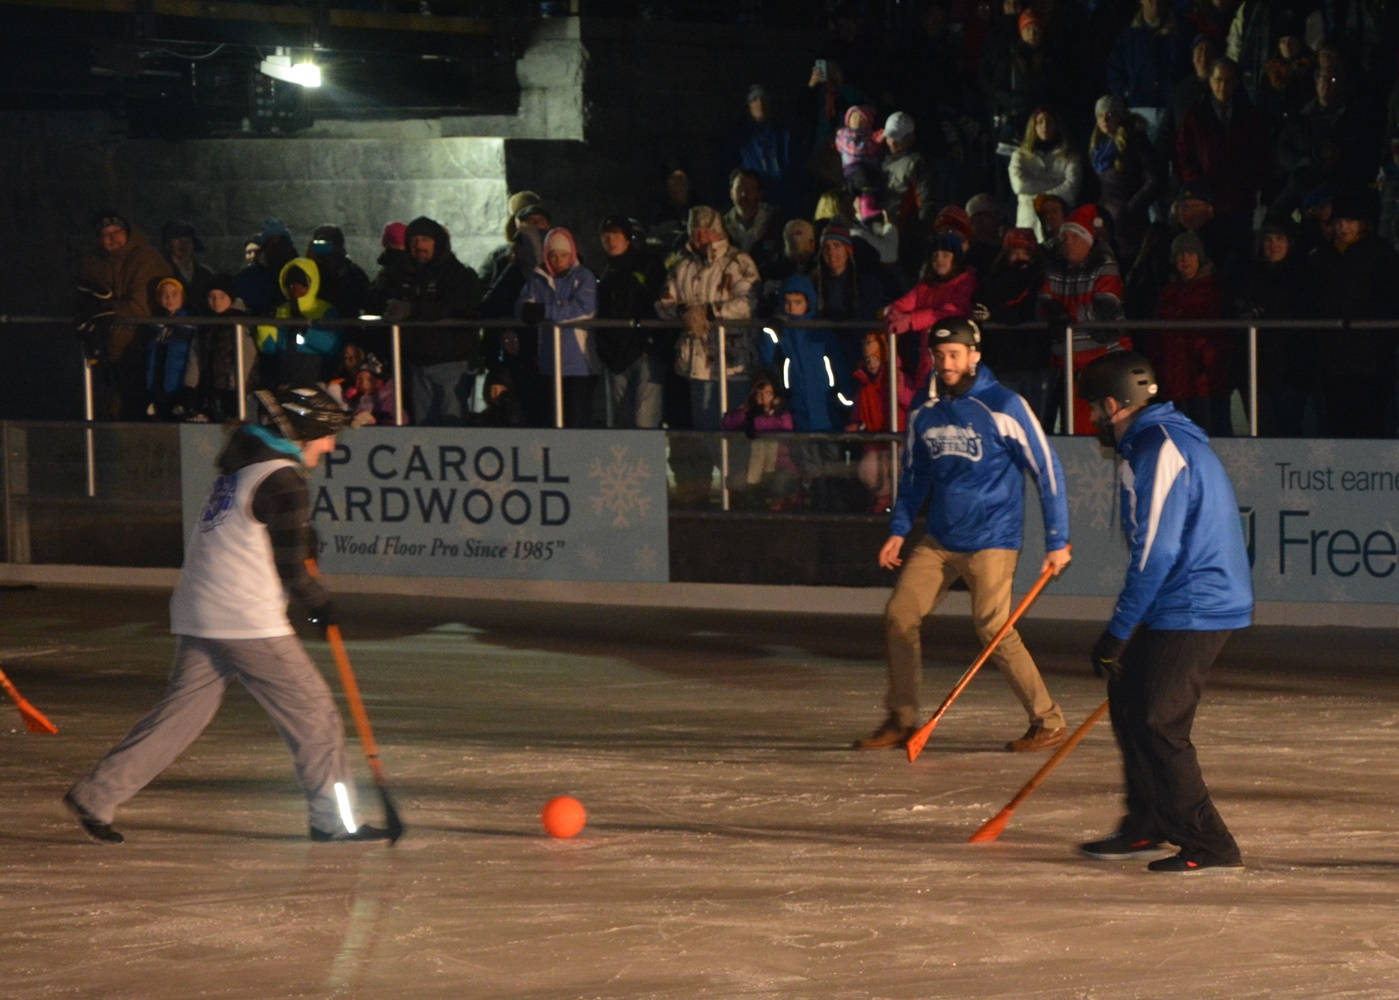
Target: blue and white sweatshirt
[1189, 568]
[971, 452]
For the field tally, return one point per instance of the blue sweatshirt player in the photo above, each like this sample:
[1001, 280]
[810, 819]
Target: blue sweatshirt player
[968, 451]
[1188, 587]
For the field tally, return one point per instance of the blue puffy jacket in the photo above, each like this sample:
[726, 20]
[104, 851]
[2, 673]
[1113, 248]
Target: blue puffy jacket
[813, 365]
[971, 452]
[1189, 568]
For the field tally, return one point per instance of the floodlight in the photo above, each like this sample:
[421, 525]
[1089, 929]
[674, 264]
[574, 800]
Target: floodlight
[280, 67]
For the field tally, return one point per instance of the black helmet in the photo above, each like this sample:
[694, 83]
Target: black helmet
[1125, 376]
[304, 413]
[957, 330]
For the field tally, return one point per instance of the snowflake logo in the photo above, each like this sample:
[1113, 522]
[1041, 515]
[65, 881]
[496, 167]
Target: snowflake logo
[647, 559]
[619, 487]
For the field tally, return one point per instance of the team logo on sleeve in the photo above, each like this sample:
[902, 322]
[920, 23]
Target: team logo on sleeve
[220, 502]
[947, 441]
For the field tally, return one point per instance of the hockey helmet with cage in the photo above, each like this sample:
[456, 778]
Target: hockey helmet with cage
[305, 413]
[1125, 376]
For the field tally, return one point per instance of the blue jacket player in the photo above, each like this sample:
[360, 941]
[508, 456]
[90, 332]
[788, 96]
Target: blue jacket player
[969, 448]
[1188, 587]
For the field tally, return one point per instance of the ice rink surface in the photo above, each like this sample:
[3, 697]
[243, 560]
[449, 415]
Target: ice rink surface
[735, 848]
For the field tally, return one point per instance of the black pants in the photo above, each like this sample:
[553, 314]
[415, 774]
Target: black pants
[1153, 708]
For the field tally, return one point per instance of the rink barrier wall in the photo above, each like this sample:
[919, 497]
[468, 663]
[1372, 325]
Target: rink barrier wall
[854, 601]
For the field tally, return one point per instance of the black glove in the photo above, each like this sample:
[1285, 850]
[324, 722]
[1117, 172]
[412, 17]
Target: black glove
[322, 616]
[1107, 656]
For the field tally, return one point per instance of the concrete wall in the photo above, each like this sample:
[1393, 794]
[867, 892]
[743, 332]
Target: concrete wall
[602, 104]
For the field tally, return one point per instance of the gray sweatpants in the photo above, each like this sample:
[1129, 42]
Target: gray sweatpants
[278, 674]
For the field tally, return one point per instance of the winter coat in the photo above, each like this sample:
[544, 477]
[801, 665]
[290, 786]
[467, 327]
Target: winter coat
[856, 294]
[627, 289]
[1016, 81]
[128, 274]
[1335, 144]
[1145, 63]
[923, 306]
[1054, 171]
[1090, 291]
[1128, 183]
[970, 454]
[872, 399]
[725, 280]
[1232, 156]
[1358, 284]
[378, 402]
[437, 289]
[908, 188]
[310, 339]
[811, 363]
[167, 356]
[1188, 569]
[1191, 364]
[1011, 294]
[567, 297]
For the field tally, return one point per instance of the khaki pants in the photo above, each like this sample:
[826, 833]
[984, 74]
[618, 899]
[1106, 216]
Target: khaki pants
[928, 572]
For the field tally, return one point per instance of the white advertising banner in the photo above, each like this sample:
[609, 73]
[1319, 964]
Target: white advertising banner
[476, 502]
[1320, 517]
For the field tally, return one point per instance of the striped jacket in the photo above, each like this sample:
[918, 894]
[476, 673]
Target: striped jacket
[1089, 291]
[1189, 569]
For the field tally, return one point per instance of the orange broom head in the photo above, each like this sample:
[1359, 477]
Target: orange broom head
[991, 829]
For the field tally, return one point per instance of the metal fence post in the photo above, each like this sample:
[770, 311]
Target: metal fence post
[723, 408]
[891, 372]
[1253, 381]
[396, 354]
[1069, 379]
[89, 437]
[558, 377]
[240, 382]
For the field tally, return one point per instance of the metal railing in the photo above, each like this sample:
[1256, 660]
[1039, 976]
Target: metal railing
[243, 324]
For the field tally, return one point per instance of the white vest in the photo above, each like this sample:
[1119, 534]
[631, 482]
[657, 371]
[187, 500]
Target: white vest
[229, 587]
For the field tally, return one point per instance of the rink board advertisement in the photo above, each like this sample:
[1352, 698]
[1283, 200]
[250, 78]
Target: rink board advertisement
[1320, 519]
[509, 504]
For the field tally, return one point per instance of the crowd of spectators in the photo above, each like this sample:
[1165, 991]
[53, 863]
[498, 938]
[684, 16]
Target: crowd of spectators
[1034, 166]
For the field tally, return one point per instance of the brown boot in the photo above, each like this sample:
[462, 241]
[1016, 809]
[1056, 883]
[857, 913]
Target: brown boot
[891, 733]
[1037, 738]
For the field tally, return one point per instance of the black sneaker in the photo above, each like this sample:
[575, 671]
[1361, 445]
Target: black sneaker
[1185, 863]
[1119, 846]
[92, 826]
[362, 832]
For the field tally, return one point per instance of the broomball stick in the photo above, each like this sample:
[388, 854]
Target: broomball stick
[34, 720]
[915, 743]
[392, 823]
[992, 828]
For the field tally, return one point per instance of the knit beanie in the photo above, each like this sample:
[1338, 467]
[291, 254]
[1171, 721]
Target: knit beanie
[1188, 242]
[954, 217]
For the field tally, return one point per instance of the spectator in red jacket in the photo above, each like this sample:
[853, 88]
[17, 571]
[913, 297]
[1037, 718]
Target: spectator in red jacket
[945, 289]
[872, 416]
[1194, 367]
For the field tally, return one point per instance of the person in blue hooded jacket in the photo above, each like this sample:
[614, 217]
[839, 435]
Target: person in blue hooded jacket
[969, 448]
[814, 367]
[1188, 587]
